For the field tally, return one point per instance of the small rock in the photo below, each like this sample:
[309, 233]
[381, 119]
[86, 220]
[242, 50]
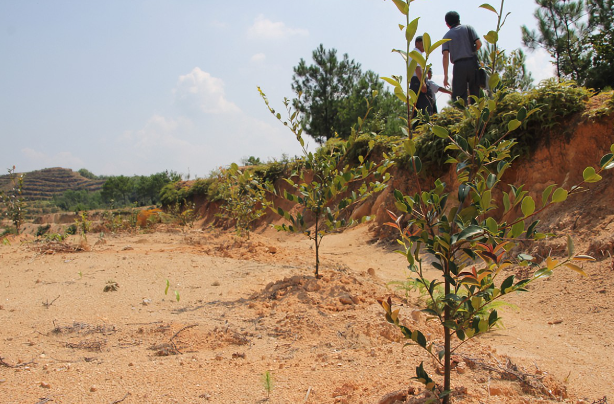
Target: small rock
[271, 250]
[93, 389]
[131, 364]
[371, 271]
[2, 381]
[45, 385]
[461, 368]
[346, 300]
[127, 248]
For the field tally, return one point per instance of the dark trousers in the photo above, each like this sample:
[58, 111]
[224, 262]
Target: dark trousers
[424, 103]
[464, 78]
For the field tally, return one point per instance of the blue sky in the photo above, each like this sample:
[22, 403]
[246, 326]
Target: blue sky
[142, 86]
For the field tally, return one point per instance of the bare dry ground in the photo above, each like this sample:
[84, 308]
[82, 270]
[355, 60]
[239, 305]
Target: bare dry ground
[250, 306]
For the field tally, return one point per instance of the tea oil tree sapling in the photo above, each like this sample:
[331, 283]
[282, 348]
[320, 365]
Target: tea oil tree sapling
[244, 198]
[457, 230]
[13, 200]
[323, 184]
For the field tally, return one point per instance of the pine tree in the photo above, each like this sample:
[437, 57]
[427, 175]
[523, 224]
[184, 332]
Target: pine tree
[561, 32]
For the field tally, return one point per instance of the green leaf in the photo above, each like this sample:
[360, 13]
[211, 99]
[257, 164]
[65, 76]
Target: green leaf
[506, 202]
[410, 147]
[507, 283]
[426, 41]
[492, 37]
[528, 206]
[559, 195]
[590, 175]
[415, 160]
[517, 229]
[402, 6]
[546, 194]
[607, 161]
[438, 44]
[493, 80]
[489, 7]
[412, 27]
[392, 82]
[177, 295]
[513, 125]
[440, 131]
[522, 114]
[486, 199]
[469, 232]
[417, 56]
[491, 181]
[168, 284]
[492, 225]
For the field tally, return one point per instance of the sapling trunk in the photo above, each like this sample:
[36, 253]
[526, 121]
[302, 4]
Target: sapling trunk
[447, 340]
[317, 245]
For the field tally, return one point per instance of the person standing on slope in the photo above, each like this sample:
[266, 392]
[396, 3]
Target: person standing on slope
[422, 103]
[461, 51]
[433, 89]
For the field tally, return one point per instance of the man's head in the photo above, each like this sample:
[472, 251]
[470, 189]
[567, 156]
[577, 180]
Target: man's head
[430, 74]
[418, 43]
[452, 19]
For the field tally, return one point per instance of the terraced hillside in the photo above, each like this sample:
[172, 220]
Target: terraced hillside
[40, 186]
[43, 184]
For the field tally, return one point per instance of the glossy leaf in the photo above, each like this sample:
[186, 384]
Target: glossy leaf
[513, 124]
[590, 175]
[402, 6]
[528, 206]
[559, 195]
[546, 194]
[440, 131]
[492, 37]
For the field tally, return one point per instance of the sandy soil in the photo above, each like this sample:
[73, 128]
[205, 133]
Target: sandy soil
[248, 307]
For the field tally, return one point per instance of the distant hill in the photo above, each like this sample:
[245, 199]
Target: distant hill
[41, 185]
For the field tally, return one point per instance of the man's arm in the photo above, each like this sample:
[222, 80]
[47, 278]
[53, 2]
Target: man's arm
[446, 63]
[478, 44]
[444, 90]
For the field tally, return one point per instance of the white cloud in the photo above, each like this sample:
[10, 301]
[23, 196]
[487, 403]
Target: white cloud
[199, 90]
[60, 159]
[263, 28]
[540, 65]
[258, 58]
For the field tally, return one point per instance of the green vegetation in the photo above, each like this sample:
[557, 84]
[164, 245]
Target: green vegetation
[267, 383]
[325, 184]
[452, 227]
[332, 97]
[581, 52]
[13, 201]
[244, 198]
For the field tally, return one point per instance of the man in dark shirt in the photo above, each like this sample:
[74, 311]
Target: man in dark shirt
[460, 50]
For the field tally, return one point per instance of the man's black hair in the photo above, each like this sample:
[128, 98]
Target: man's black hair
[452, 18]
[418, 39]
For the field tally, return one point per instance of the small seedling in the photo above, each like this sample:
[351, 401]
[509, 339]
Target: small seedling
[267, 382]
[168, 285]
[80, 274]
